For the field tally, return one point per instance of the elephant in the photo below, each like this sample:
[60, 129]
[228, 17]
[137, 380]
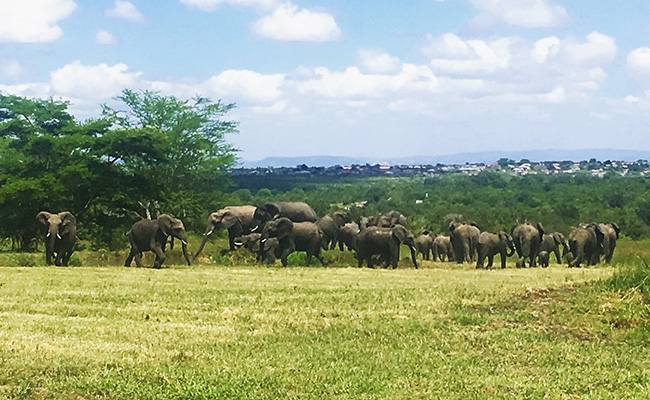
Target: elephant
[464, 238]
[296, 211]
[542, 258]
[424, 244]
[151, 235]
[490, 244]
[295, 236]
[611, 233]
[271, 250]
[386, 220]
[442, 248]
[348, 235]
[60, 237]
[385, 243]
[551, 243]
[586, 244]
[237, 219]
[330, 225]
[250, 242]
[528, 238]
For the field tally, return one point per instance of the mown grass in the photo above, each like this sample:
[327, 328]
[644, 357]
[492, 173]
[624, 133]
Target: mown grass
[252, 332]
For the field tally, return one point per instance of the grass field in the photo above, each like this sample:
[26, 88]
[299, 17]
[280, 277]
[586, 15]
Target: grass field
[252, 332]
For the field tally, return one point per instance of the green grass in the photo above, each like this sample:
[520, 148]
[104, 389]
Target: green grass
[252, 332]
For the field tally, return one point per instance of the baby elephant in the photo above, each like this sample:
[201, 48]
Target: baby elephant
[542, 258]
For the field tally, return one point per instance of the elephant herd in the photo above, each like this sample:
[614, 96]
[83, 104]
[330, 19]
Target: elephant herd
[274, 230]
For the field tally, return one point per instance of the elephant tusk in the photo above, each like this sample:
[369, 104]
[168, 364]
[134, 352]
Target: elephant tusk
[58, 236]
[209, 233]
[48, 234]
[254, 229]
[184, 242]
[238, 243]
[263, 240]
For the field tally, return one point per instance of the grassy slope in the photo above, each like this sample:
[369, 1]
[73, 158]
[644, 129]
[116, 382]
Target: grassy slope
[444, 331]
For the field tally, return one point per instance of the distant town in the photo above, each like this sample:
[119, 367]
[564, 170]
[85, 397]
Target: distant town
[521, 167]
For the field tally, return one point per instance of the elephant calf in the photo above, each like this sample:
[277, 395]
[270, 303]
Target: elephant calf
[542, 258]
[151, 235]
[424, 244]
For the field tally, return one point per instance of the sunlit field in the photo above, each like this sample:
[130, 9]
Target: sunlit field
[228, 328]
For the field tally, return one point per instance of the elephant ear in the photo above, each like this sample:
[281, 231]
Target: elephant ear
[67, 222]
[43, 217]
[400, 233]
[229, 219]
[425, 232]
[540, 228]
[503, 236]
[452, 226]
[599, 234]
[165, 223]
[558, 238]
[616, 229]
[272, 209]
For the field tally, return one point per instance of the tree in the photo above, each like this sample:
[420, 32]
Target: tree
[189, 138]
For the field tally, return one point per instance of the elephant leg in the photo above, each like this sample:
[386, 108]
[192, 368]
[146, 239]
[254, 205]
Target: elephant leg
[308, 259]
[160, 256]
[556, 251]
[533, 261]
[359, 260]
[479, 261]
[490, 260]
[319, 256]
[504, 257]
[129, 258]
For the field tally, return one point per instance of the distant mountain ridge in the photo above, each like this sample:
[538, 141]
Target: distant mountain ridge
[459, 158]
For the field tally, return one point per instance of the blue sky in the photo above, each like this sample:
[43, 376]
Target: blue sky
[353, 78]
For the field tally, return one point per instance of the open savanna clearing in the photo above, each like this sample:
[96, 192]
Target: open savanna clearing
[254, 332]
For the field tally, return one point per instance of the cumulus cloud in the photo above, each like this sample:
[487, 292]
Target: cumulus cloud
[638, 66]
[376, 61]
[92, 82]
[523, 13]
[454, 56]
[245, 84]
[104, 37]
[288, 23]
[33, 21]
[124, 10]
[212, 5]
[354, 84]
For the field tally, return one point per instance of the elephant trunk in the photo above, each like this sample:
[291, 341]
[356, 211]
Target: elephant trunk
[510, 250]
[184, 246]
[208, 231]
[413, 254]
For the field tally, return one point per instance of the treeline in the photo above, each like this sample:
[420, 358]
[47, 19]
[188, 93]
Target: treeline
[152, 154]
[495, 200]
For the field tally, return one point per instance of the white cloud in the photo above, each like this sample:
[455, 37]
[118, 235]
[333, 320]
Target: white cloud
[524, 13]
[212, 5]
[92, 82]
[249, 85]
[124, 10]
[544, 48]
[638, 66]
[287, 23]
[455, 56]
[597, 50]
[10, 67]
[33, 21]
[380, 62]
[352, 83]
[104, 37]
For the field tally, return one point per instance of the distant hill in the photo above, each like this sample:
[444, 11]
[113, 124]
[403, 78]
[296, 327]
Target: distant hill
[460, 158]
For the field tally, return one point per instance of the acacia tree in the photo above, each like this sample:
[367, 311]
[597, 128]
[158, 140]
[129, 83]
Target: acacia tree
[161, 150]
[191, 143]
